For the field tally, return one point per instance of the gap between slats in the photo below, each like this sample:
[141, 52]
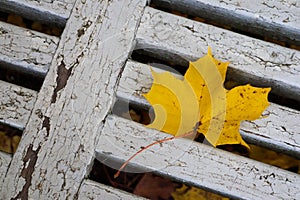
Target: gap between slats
[264, 64]
[194, 163]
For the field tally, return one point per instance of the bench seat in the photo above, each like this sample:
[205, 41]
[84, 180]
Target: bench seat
[193, 163]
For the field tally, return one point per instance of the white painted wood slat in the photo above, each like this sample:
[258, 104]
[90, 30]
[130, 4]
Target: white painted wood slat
[58, 143]
[26, 50]
[69, 120]
[16, 104]
[194, 163]
[92, 190]
[273, 19]
[251, 60]
[50, 12]
[278, 130]
[5, 160]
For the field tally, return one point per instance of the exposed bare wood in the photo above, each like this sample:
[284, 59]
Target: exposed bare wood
[16, 104]
[272, 19]
[261, 63]
[59, 141]
[278, 130]
[50, 12]
[26, 50]
[194, 163]
[93, 190]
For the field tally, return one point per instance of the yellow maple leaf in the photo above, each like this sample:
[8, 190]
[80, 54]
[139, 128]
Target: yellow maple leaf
[201, 98]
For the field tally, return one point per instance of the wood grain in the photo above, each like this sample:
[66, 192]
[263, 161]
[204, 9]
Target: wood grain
[194, 163]
[277, 20]
[177, 40]
[59, 141]
[26, 50]
[16, 104]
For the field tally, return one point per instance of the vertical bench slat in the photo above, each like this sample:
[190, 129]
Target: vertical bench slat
[58, 144]
[50, 12]
[194, 163]
[16, 104]
[26, 50]
[272, 19]
[251, 60]
[5, 160]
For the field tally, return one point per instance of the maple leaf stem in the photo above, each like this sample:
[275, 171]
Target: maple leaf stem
[150, 145]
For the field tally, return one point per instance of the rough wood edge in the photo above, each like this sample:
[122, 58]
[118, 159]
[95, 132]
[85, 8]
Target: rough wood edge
[194, 163]
[278, 130]
[93, 190]
[177, 40]
[26, 50]
[276, 20]
[5, 160]
[16, 104]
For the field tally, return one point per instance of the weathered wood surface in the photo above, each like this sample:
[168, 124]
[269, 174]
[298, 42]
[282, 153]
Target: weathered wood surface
[251, 60]
[50, 12]
[26, 50]
[279, 129]
[16, 104]
[59, 141]
[93, 190]
[194, 163]
[5, 160]
[272, 19]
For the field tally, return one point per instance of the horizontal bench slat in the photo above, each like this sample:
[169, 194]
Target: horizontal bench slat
[49, 12]
[92, 190]
[4, 164]
[194, 163]
[251, 60]
[272, 19]
[277, 131]
[26, 50]
[16, 104]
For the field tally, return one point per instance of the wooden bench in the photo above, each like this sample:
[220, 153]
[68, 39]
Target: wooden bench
[69, 123]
